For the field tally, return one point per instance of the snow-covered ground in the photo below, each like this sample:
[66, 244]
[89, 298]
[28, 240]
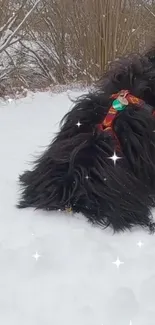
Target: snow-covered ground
[75, 280]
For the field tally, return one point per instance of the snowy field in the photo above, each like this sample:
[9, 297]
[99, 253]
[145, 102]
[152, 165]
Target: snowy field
[56, 269]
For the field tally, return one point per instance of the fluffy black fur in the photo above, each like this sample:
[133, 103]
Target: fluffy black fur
[119, 196]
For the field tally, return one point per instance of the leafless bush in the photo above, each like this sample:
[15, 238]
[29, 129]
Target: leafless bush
[50, 42]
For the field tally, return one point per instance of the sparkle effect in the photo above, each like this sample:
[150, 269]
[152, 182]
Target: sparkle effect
[118, 262]
[87, 177]
[140, 244]
[36, 256]
[115, 158]
[78, 124]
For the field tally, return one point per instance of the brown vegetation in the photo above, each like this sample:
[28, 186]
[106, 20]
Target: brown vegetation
[51, 42]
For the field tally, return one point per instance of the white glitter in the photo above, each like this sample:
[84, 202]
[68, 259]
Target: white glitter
[140, 244]
[78, 124]
[36, 256]
[115, 158]
[118, 262]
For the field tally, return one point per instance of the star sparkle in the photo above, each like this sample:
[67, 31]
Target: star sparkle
[140, 244]
[36, 256]
[78, 124]
[115, 158]
[118, 263]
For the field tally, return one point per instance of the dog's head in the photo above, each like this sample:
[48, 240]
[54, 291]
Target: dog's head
[134, 72]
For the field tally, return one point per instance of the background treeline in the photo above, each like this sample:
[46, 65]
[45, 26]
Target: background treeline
[51, 42]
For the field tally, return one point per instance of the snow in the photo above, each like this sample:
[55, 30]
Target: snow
[55, 268]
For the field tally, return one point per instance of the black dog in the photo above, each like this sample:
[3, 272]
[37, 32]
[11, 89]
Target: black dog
[76, 172]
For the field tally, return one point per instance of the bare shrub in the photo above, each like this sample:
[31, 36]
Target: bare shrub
[51, 42]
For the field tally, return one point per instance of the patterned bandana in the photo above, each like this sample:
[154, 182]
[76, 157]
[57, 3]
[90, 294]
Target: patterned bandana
[121, 101]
